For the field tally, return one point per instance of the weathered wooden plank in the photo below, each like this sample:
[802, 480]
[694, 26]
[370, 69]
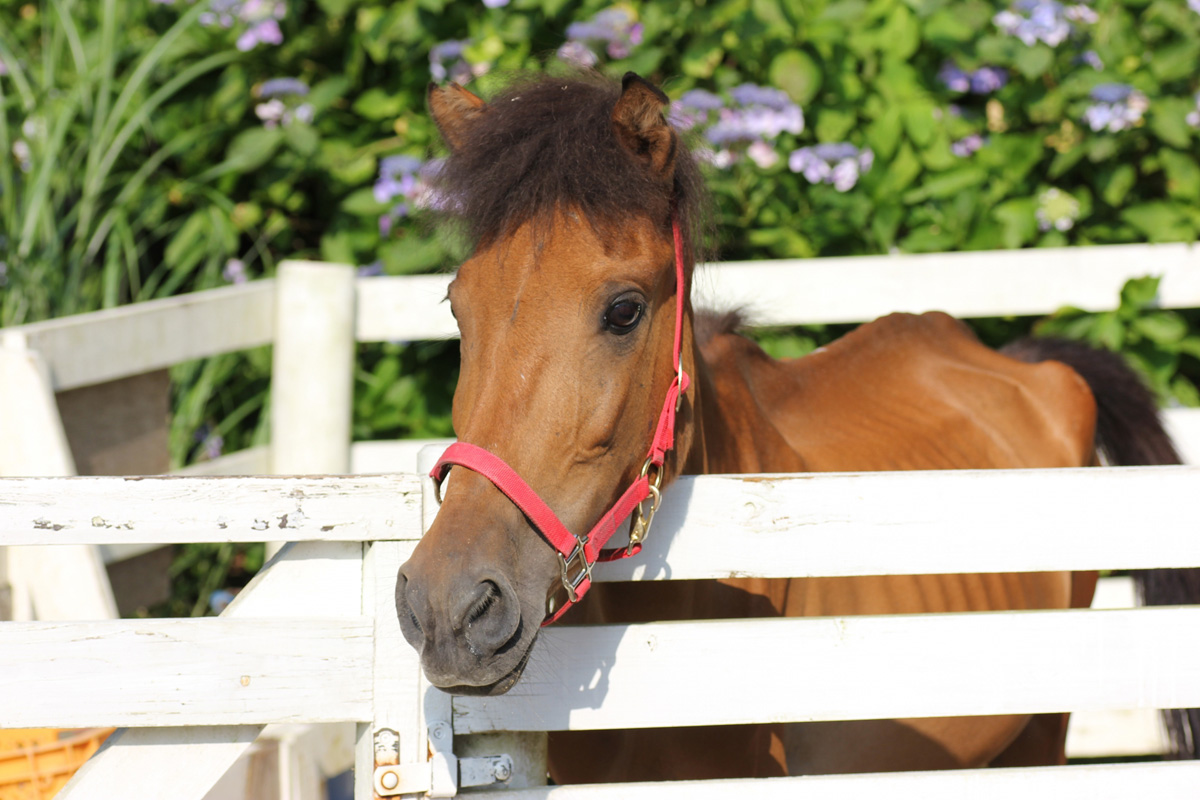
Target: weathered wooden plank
[182, 763]
[103, 345]
[968, 284]
[795, 292]
[801, 670]
[184, 672]
[171, 509]
[1096, 782]
[902, 523]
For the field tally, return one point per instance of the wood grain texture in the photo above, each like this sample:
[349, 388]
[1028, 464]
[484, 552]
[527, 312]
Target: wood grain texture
[184, 672]
[206, 509]
[800, 670]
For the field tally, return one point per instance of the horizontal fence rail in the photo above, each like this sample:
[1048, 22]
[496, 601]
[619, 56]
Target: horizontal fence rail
[808, 670]
[711, 526]
[185, 672]
[92, 348]
[1100, 782]
[102, 346]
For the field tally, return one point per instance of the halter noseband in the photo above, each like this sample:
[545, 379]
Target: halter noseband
[578, 554]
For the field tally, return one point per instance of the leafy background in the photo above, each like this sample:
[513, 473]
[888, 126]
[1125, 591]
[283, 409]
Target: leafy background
[143, 155]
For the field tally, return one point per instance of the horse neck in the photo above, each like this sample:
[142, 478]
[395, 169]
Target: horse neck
[731, 430]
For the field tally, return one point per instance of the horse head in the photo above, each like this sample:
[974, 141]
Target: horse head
[570, 190]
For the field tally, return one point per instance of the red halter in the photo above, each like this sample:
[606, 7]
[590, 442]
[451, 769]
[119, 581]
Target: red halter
[578, 554]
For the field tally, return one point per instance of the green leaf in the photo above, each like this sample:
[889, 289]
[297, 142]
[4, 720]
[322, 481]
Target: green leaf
[1115, 183]
[884, 133]
[701, 58]
[1183, 174]
[1019, 221]
[1034, 62]
[919, 121]
[1160, 221]
[1176, 60]
[376, 104]
[947, 184]
[833, 124]
[1163, 327]
[302, 138]
[362, 203]
[1168, 119]
[253, 147]
[1138, 293]
[798, 74]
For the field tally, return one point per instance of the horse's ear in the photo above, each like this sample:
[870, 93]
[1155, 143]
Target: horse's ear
[640, 126]
[454, 109]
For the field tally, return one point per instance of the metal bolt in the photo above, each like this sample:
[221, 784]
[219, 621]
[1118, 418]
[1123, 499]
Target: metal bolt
[502, 769]
[389, 779]
[439, 731]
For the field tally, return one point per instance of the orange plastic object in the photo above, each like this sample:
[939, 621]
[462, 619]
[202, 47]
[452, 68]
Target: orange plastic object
[36, 762]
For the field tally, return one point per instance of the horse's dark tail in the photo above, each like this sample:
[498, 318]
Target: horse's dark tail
[1129, 432]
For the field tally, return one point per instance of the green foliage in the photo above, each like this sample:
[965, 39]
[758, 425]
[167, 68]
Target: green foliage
[1158, 343]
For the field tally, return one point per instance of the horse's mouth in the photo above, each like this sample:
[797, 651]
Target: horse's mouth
[498, 687]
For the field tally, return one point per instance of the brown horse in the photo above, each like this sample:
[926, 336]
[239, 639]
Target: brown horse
[569, 189]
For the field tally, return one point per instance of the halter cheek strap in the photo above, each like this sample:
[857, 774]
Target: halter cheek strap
[578, 554]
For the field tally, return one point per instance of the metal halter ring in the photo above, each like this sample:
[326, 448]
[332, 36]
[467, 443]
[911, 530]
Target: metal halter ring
[641, 519]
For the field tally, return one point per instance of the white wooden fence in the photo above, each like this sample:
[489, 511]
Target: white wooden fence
[315, 638]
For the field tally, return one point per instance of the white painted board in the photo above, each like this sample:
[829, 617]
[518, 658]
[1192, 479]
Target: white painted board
[807, 670]
[101, 346]
[1099, 782]
[184, 672]
[206, 509]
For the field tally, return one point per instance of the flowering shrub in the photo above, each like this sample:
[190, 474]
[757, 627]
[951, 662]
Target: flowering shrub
[257, 129]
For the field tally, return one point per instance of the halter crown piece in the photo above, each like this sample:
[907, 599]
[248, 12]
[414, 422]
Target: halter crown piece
[578, 554]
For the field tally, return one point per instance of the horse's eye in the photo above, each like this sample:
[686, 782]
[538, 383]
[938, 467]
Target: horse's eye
[623, 316]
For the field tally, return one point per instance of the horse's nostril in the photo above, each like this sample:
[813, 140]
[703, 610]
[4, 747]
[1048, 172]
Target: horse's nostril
[486, 597]
[489, 618]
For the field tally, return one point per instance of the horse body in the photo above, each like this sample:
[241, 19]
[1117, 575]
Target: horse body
[567, 308]
[903, 392]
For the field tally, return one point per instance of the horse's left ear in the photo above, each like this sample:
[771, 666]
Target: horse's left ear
[455, 110]
[640, 126]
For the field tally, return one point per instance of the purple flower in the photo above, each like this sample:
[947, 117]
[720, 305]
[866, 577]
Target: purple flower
[701, 100]
[578, 53]
[409, 179]
[749, 94]
[277, 87]
[967, 145]
[839, 164]
[988, 79]
[234, 271]
[1193, 117]
[372, 270]
[762, 154]
[1194, 5]
[1116, 106]
[984, 80]
[1092, 58]
[448, 60]
[495, 3]
[954, 78]
[615, 27]
[1048, 21]
[265, 32]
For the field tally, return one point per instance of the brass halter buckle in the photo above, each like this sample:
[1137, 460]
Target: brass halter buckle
[641, 518]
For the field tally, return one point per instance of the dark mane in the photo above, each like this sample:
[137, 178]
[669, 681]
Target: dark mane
[546, 143]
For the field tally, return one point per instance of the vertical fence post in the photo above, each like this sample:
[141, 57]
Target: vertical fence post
[53, 582]
[312, 371]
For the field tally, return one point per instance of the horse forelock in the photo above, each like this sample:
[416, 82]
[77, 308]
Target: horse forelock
[545, 146]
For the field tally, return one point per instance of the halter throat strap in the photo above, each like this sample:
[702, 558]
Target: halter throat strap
[578, 554]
